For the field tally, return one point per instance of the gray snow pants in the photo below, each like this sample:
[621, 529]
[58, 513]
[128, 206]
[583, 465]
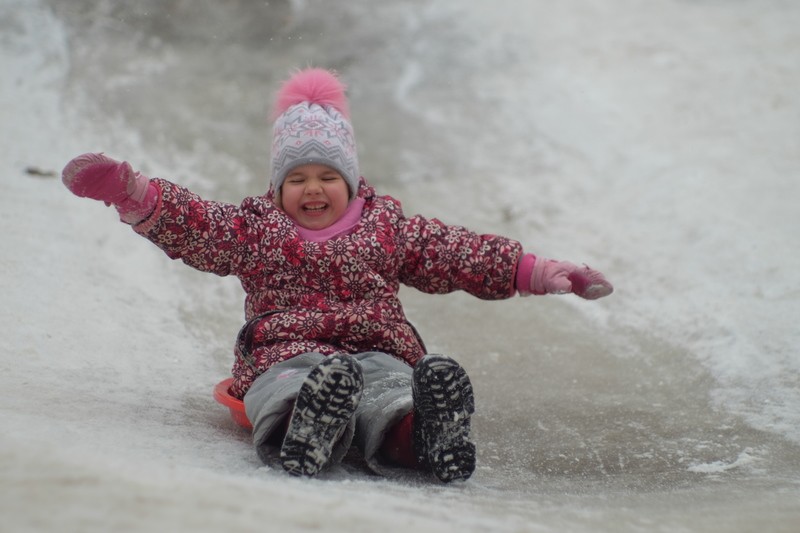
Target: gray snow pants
[385, 401]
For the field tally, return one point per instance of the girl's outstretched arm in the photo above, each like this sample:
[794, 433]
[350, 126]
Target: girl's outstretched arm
[439, 258]
[209, 236]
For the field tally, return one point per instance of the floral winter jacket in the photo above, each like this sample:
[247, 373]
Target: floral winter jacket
[337, 296]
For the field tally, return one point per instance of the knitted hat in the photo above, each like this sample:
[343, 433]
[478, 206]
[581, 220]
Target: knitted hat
[312, 126]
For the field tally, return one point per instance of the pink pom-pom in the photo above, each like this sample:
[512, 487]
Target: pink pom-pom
[313, 85]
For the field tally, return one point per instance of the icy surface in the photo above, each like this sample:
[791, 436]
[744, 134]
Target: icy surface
[657, 141]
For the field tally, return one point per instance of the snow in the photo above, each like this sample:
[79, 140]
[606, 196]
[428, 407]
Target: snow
[719, 466]
[658, 142]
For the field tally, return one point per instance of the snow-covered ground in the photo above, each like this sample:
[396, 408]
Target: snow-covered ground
[657, 141]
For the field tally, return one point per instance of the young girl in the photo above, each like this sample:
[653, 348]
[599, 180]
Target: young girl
[327, 356]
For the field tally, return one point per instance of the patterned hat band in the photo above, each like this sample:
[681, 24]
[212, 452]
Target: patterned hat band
[309, 133]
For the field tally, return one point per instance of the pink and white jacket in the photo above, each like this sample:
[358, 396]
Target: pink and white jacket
[335, 294]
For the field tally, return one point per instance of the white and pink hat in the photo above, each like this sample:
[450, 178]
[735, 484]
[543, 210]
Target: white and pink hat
[312, 126]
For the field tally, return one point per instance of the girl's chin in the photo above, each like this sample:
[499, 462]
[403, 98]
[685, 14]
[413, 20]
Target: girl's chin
[314, 222]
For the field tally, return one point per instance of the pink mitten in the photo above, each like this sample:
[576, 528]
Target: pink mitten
[102, 178]
[113, 182]
[589, 284]
[560, 277]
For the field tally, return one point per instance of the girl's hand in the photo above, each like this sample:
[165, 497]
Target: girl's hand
[589, 284]
[561, 277]
[102, 178]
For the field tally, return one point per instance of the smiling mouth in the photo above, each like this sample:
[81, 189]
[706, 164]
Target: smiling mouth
[315, 208]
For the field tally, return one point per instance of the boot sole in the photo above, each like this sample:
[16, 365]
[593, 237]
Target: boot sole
[444, 403]
[325, 404]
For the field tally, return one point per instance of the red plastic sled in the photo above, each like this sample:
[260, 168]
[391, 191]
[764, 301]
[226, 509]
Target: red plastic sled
[235, 405]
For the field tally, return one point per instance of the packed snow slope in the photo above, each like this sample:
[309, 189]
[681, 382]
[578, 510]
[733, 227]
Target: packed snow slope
[656, 141]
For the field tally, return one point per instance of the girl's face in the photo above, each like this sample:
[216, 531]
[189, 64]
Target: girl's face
[315, 196]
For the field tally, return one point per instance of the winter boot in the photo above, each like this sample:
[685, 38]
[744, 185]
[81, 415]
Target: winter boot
[325, 404]
[443, 404]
